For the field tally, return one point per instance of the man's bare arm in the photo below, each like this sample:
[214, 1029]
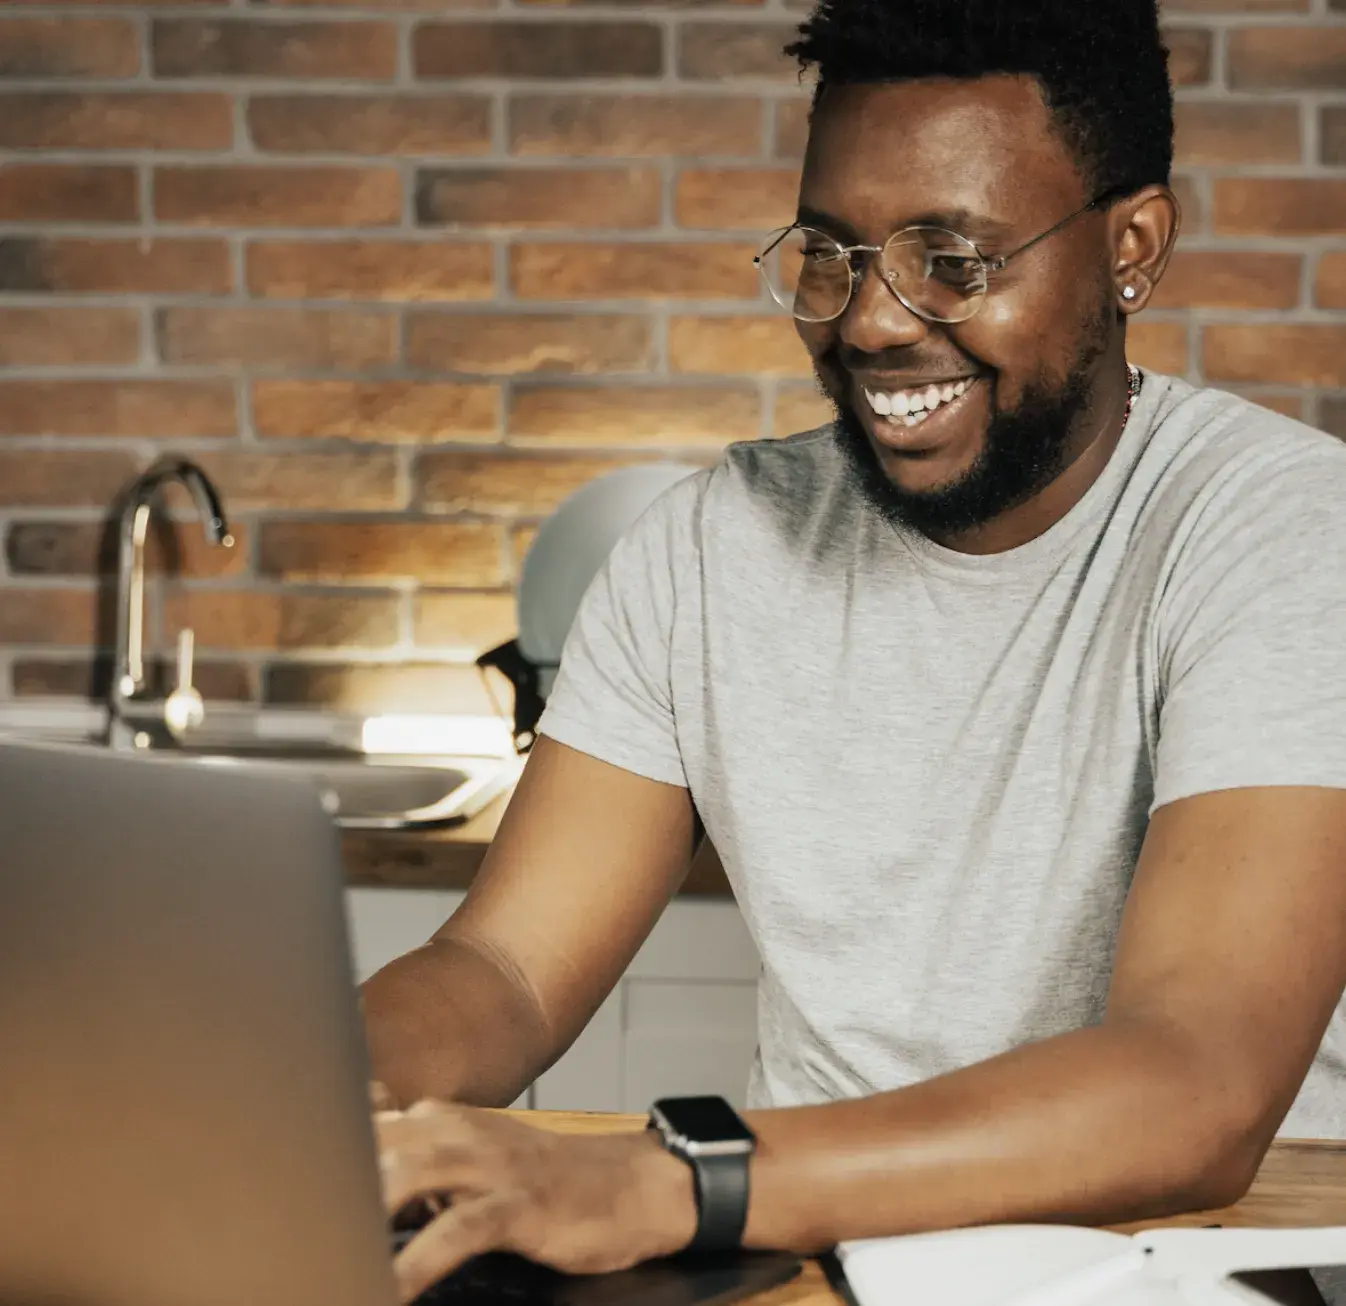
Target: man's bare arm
[1231, 959]
[586, 858]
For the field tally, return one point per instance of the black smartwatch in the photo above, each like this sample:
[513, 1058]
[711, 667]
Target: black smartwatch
[711, 1137]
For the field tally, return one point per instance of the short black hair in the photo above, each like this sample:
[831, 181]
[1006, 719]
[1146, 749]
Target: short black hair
[1102, 66]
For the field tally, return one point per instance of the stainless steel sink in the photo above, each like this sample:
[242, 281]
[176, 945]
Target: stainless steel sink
[363, 783]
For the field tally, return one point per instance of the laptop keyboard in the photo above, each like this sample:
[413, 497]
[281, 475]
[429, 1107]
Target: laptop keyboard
[494, 1280]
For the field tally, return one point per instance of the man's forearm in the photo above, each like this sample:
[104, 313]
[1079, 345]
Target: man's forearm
[449, 1021]
[1094, 1127]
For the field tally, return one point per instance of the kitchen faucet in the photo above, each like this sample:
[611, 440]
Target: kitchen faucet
[131, 716]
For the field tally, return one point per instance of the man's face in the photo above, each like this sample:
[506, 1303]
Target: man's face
[981, 158]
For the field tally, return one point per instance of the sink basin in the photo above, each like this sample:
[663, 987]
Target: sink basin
[367, 792]
[364, 784]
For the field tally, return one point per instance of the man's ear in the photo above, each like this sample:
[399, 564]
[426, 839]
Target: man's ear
[1145, 231]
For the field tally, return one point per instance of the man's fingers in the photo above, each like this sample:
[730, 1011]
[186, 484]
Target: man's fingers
[412, 1168]
[380, 1099]
[466, 1230]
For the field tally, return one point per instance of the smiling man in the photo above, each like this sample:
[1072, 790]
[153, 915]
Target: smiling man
[1014, 702]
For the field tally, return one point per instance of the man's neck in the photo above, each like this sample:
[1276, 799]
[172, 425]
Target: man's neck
[1092, 444]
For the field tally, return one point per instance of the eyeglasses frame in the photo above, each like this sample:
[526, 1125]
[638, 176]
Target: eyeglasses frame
[990, 265]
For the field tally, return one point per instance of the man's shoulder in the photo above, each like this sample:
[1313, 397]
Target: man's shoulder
[1216, 427]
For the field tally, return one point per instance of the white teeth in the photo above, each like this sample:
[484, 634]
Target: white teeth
[913, 406]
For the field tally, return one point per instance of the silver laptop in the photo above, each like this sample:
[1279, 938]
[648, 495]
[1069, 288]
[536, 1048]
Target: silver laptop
[183, 1113]
[184, 1116]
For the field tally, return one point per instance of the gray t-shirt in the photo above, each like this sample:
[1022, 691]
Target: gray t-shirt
[929, 774]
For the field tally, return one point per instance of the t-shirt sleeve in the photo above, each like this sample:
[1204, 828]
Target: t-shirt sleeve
[613, 696]
[1253, 639]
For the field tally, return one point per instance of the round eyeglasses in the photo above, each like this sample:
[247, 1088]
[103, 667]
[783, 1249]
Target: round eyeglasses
[937, 274]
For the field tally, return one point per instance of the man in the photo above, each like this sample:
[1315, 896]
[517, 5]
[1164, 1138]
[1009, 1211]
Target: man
[1014, 703]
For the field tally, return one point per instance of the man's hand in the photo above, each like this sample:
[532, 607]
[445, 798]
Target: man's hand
[584, 1204]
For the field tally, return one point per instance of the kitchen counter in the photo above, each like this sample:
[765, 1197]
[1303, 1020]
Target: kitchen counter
[1301, 1183]
[449, 858]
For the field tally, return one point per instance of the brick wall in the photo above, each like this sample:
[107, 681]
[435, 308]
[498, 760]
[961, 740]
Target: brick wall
[403, 275]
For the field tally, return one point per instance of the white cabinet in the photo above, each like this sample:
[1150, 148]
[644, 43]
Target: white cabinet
[681, 1021]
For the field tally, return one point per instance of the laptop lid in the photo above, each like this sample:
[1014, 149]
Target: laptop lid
[183, 1110]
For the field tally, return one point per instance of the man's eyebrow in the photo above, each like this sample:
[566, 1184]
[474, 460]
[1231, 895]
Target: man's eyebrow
[962, 221]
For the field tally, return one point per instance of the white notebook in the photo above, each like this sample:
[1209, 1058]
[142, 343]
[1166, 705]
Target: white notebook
[1066, 1265]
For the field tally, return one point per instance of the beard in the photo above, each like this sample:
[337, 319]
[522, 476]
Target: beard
[1025, 451]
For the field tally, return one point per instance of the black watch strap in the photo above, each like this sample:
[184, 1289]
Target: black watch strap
[721, 1201]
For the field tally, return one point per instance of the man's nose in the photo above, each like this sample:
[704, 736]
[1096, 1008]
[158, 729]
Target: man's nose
[876, 320]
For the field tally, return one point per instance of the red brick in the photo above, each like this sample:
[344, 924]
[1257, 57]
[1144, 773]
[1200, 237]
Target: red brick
[1230, 279]
[295, 51]
[800, 408]
[296, 482]
[631, 126]
[1280, 206]
[737, 199]
[67, 615]
[1330, 286]
[1159, 346]
[1190, 55]
[554, 50]
[234, 619]
[633, 415]
[62, 478]
[68, 337]
[726, 346]
[393, 412]
[1237, 132]
[571, 270]
[1237, 6]
[384, 6]
[273, 338]
[138, 409]
[1296, 58]
[1278, 353]
[133, 267]
[90, 548]
[1332, 132]
[69, 47]
[115, 121]
[78, 192]
[513, 343]
[371, 270]
[792, 128]
[277, 197]
[429, 553]
[509, 485]
[371, 124]
[464, 624]
[540, 198]
[371, 688]
[719, 51]
[64, 677]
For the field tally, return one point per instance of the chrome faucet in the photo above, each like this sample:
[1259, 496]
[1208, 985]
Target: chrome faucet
[131, 714]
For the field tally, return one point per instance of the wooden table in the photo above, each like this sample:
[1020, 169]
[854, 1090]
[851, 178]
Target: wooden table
[1300, 1183]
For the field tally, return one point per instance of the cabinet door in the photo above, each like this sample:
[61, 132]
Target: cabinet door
[686, 1038]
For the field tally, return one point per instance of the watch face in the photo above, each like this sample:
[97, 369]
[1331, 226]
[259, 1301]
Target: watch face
[704, 1120]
